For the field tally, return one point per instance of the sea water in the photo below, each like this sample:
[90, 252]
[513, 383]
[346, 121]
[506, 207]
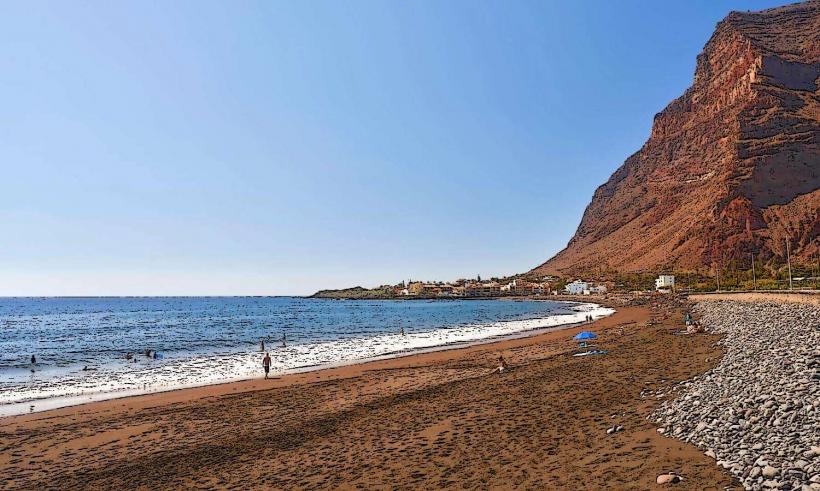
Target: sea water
[95, 348]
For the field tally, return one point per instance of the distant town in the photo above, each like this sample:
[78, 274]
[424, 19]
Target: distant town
[495, 287]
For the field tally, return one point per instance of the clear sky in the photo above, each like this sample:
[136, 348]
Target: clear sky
[281, 147]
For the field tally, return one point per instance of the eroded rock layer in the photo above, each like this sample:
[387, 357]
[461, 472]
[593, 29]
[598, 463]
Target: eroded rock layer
[731, 167]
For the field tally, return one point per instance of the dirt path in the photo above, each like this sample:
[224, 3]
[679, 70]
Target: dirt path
[809, 297]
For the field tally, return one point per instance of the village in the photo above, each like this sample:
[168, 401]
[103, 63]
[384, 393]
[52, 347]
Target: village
[548, 285]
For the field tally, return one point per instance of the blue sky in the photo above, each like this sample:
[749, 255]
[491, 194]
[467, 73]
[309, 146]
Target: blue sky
[272, 147]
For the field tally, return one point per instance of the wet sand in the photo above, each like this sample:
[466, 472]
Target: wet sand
[432, 420]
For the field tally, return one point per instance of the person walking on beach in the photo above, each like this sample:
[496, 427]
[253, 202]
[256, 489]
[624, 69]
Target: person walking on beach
[284, 340]
[266, 364]
[33, 360]
[262, 344]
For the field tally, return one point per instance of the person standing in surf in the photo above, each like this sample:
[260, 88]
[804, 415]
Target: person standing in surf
[266, 364]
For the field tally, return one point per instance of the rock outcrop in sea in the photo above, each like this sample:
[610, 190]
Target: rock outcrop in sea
[758, 411]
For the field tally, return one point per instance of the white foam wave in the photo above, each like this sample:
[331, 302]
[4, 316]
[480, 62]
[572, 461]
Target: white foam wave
[132, 379]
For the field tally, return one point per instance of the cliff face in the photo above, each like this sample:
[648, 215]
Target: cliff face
[731, 166]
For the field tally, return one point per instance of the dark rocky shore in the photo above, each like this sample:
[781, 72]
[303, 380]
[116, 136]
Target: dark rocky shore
[758, 411]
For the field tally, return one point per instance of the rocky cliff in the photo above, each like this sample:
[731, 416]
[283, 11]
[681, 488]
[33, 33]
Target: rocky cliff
[731, 167]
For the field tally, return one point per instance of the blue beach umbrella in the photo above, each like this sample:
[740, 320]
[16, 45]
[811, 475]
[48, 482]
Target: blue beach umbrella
[584, 335]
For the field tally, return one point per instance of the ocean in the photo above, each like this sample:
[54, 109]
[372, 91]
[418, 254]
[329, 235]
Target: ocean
[95, 348]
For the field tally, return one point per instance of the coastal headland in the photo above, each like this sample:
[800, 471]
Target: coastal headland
[432, 420]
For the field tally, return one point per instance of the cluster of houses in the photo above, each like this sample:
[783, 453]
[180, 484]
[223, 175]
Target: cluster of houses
[467, 288]
[478, 288]
[516, 287]
[579, 287]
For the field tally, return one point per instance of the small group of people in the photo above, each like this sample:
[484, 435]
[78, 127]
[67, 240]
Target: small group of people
[266, 361]
[588, 319]
[284, 342]
[149, 353]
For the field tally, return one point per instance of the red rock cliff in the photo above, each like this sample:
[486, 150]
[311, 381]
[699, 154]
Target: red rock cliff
[731, 166]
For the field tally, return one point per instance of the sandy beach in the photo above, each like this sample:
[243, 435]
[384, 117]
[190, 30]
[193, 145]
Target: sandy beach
[432, 420]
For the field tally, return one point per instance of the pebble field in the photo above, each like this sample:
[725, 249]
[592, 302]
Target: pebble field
[757, 413]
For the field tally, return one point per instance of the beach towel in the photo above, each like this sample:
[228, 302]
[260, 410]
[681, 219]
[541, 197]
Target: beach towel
[592, 352]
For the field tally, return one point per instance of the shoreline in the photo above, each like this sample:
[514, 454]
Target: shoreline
[402, 420]
[330, 370]
[45, 404]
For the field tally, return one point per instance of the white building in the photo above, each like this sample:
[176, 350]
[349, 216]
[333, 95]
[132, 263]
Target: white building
[598, 289]
[577, 287]
[665, 282]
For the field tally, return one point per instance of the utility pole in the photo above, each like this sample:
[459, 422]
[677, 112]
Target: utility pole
[718, 276]
[737, 275]
[789, 262]
[754, 277]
